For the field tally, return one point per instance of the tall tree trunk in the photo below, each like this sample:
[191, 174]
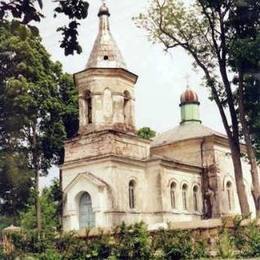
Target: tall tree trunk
[234, 145]
[61, 202]
[234, 136]
[249, 146]
[241, 189]
[37, 180]
[38, 204]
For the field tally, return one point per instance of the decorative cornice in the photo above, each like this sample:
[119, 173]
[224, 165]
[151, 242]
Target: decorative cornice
[108, 72]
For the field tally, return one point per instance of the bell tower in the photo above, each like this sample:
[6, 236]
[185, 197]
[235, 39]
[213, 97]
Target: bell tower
[106, 87]
[99, 161]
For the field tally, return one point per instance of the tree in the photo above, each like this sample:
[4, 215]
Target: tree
[69, 96]
[15, 185]
[146, 133]
[203, 32]
[27, 11]
[244, 55]
[50, 200]
[32, 110]
[252, 109]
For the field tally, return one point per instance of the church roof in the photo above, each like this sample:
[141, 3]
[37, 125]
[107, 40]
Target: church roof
[105, 52]
[184, 132]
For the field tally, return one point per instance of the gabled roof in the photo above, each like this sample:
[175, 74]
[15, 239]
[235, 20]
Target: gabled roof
[89, 177]
[184, 132]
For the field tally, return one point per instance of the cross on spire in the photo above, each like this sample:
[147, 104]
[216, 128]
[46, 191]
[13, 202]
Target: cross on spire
[187, 78]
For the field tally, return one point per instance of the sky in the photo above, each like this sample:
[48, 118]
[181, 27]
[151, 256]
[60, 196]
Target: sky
[162, 76]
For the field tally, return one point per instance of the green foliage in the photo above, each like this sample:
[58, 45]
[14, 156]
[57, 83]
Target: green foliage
[247, 238]
[128, 242]
[37, 111]
[244, 55]
[252, 107]
[27, 11]
[146, 133]
[177, 245]
[133, 242]
[69, 96]
[226, 245]
[30, 98]
[50, 254]
[5, 222]
[50, 200]
[2, 256]
[15, 183]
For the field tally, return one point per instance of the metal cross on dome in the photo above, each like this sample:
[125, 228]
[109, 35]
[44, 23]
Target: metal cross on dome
[187, 78]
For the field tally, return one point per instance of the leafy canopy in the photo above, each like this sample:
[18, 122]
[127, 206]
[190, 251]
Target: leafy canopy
[28, 11]
[146, 133]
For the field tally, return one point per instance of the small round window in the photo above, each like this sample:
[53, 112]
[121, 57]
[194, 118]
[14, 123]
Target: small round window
[105, 57]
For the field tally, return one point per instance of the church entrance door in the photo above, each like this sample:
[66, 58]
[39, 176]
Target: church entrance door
[86, 214]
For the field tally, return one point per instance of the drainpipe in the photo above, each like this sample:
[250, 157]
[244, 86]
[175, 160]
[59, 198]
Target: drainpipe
[203, 177]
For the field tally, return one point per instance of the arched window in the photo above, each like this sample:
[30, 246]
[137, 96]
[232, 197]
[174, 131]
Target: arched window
[195, 198]
[127, 108]
[86, 214]
[172, 194]
[184, 196]
[229, 194]
[88, 100]
[131, 190]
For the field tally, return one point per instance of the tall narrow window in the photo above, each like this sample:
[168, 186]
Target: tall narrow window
[127, 110]
[172, 194]
[195, 198]
[229, 194]
[88, 101]
[86, 214]
[184, 196]
[131, 194]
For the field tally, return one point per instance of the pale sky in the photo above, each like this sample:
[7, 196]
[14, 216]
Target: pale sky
[162, 76]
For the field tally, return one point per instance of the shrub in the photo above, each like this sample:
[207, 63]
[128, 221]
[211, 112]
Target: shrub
[251, 245]
[1, 252]
[50, 254]
[176, 245]
[199, 249]
[31, 242]
[226, 245]
[132, 242]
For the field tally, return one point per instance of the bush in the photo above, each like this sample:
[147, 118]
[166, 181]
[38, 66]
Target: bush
[251, 241]
[226, 245]
[135, 242]
[1, 252]
[50, 254]
[32, 242]
[132, 242]
[177, 245]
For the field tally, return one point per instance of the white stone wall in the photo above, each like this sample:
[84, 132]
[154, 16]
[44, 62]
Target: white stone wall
[107, 183]
[226, 173]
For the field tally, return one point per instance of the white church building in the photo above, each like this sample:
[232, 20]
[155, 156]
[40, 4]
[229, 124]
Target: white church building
[111, 175]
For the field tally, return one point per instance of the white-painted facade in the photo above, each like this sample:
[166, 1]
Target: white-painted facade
[110, 175]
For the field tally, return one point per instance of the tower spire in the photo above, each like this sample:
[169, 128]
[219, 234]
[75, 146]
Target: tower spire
[105, 52]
